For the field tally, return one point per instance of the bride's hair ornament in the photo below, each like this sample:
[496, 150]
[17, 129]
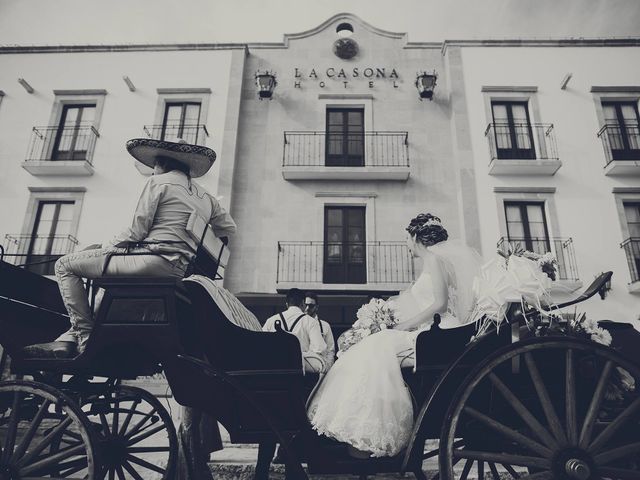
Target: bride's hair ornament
[427, 229]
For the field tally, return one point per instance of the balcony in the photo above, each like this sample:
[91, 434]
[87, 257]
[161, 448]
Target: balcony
[562, 249]
[382, 266]
[36, 253]
[366, 156]
[631, 248]
[61, 150]
[621, 149]
[194, 134]
[535, 151]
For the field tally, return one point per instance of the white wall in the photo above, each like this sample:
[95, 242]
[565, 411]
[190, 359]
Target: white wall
[113, 189]
[584, 200]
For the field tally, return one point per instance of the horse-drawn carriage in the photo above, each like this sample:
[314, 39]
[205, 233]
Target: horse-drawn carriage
[501, 406]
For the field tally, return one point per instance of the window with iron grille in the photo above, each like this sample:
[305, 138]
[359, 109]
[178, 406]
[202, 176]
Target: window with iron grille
[72, 140]
[527, 225]
[50, 235]
[512, 130]
[622, 123]
[344, 245]
[181, 121]
[345, 137]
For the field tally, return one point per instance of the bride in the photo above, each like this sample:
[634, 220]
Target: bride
[363, 400]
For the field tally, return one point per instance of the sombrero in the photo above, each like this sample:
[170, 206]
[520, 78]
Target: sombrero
[199, 159]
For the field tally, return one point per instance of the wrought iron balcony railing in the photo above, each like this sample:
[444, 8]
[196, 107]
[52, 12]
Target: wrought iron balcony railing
[632, 250]
[172, 132]
[521, 141]
[37, 254]
[381, 262]
[367, 149]
[62, 143]
[561, 248]
[620, 143]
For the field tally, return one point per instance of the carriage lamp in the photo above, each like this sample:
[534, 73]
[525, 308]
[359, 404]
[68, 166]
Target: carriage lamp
[266, 83]
[605, 288]
[426, 84]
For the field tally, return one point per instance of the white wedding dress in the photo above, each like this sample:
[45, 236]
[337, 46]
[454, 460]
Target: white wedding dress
[363, 399]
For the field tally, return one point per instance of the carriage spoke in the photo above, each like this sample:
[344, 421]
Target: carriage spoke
[132, 471]
[33, 427]
[616, 453]
[570, 398]
[524, 413]
[45, 442]
[120, 473]
[147, 434]
[520, 460]
[52, 460]
[511, 471]
[105, 424]
[494, 471]
[594, 406]
[613, 427]
[618, 473]
[480, 470]
[545, 400]
[508, 432]
[154, 449]
[138, 426]
[115, 420]
[145, 464]
[129, 416]
[66, 469]
[112, 474]
[12, 428]
[467, 468]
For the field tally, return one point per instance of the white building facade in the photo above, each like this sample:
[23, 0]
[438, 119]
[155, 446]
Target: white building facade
[534, 142]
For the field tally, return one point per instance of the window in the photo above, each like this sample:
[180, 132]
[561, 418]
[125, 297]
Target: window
[527, 226]
[74, 132]
[344, 245]
[622, 124]
[632, 244]
[345, 137]
[181, 121]
[50, 237]
[512, 130]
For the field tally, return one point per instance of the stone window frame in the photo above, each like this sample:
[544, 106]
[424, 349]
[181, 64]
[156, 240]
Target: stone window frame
[345, 199]
[53, 194]
[75, 97]
[544, 195]
[622, 195]
[170, 95]
[613, 94]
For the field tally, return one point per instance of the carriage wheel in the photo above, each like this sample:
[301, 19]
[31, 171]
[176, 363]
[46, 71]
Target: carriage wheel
[553, 418]
[137, 436]
[33, 417]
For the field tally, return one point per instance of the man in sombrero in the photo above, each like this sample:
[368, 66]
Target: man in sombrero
[159, 225]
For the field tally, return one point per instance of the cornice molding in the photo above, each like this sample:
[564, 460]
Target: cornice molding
[157, 47]
[626, 190]
[491, 88]
[524, 189]
[95, 91]
[347, 194]
[169, 91]
[616, 89]
[58, 189]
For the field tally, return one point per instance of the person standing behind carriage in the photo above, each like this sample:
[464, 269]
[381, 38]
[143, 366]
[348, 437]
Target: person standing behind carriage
[311, 308]
[304, 327]
[158, 231]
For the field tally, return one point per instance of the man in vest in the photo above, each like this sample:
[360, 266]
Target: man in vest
[298, 323]
[311, 307]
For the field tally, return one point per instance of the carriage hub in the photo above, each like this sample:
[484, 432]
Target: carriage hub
[7, 472]
[573, 464]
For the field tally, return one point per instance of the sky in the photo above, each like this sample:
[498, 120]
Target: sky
[47, 22]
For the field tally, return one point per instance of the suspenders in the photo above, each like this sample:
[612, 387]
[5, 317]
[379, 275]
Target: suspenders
[295, 322]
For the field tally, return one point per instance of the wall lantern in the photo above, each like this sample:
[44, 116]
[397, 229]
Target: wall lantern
[266, 83]
[426, 84]
[605, 288]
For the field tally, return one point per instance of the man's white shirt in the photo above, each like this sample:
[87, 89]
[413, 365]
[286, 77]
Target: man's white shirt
[307, 329]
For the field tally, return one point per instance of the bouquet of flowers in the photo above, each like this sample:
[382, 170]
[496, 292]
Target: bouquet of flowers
[371, 318]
